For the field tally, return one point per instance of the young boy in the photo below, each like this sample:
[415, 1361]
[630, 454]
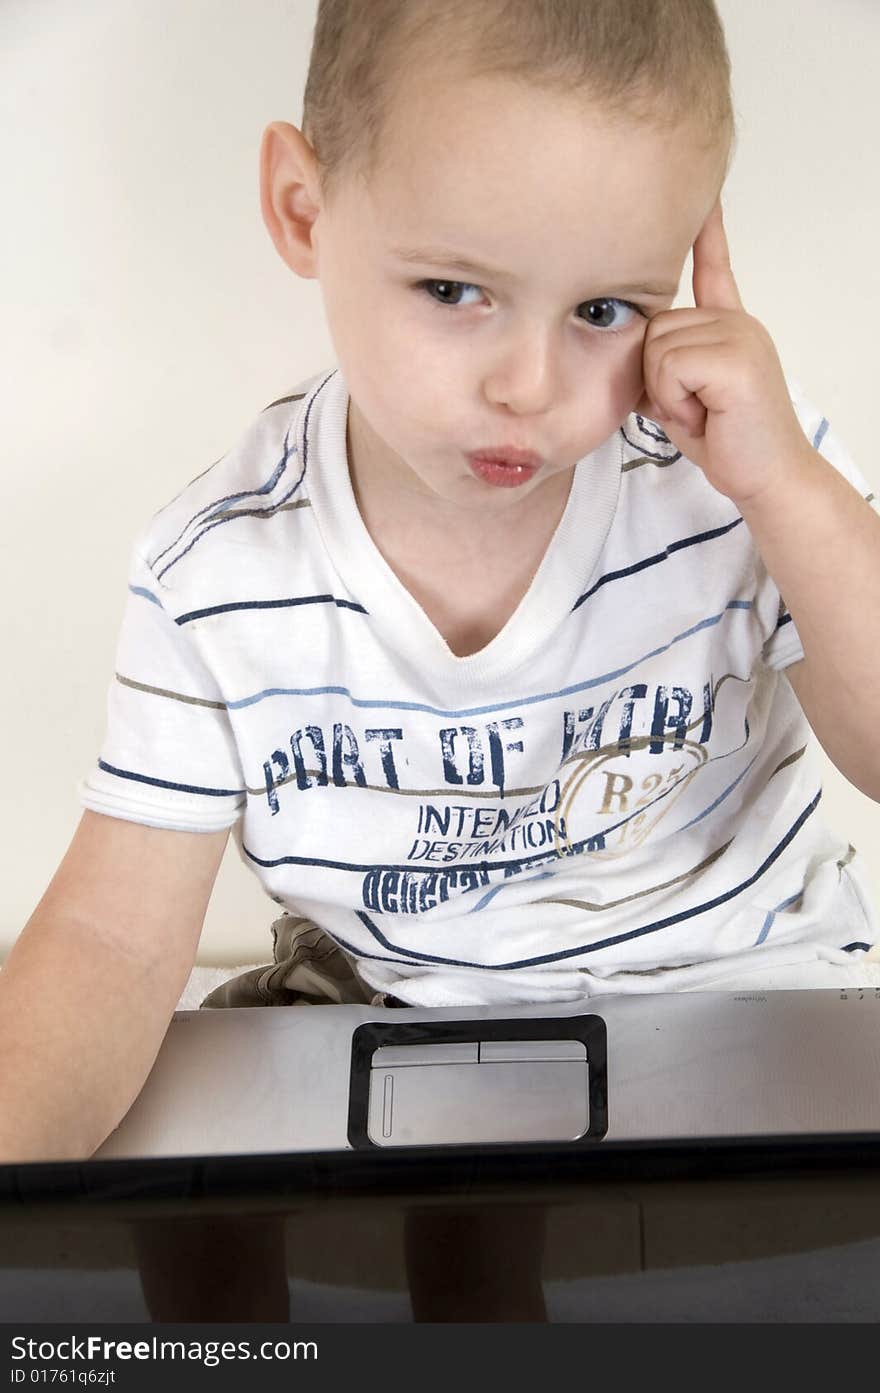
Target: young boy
[498, 645]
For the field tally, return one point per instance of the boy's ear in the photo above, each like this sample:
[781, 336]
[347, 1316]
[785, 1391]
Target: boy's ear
[289, 196]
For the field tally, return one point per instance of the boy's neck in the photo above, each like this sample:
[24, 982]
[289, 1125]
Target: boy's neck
[394, 504]
[467, 569]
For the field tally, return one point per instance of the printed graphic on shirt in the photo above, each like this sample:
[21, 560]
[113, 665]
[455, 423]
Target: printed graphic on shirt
[602, 799]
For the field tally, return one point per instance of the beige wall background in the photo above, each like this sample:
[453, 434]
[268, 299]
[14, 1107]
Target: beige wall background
[147, 319]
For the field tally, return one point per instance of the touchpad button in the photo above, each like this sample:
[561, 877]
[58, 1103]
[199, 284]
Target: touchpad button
[506, 1091]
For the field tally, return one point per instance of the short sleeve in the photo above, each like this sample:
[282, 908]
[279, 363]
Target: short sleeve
[783, 646]
[169, 757]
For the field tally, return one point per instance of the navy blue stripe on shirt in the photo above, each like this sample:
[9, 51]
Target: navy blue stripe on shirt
[413, 955]
[659, 557]
[366, 869]
[269, 604]
[166, 783]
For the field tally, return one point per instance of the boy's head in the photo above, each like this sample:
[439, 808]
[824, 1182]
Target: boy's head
[570, 148]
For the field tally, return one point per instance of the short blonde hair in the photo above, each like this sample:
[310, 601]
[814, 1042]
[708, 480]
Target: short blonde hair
[661, 61]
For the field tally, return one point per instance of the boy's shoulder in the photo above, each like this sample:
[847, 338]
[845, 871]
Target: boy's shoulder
[261, 476]
[823, 436]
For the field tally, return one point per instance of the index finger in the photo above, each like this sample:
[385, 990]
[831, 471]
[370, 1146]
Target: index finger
[714, 283]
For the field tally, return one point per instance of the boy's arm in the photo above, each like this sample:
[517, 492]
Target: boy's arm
[713, 380]
[820, 541]
[90, 986]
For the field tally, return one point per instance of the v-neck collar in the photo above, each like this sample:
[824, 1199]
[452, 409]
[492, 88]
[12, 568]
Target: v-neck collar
[561, 578]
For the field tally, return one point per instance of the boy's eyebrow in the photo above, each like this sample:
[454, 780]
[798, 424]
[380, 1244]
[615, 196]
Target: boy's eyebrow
[452, 261]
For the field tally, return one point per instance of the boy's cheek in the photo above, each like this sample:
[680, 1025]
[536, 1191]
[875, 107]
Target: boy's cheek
[633, 381]
[644, 406]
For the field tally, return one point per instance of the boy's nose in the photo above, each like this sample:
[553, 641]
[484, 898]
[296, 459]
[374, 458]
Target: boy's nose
[527, 380]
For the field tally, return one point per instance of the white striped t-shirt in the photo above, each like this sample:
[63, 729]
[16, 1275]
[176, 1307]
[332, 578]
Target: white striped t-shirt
[619, 790]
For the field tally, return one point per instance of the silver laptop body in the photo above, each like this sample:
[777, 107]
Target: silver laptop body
[683, 1065]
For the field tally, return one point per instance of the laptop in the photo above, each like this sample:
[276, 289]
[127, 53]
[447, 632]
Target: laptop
[677, 1066]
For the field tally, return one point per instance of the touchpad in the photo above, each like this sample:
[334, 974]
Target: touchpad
[478, 1091]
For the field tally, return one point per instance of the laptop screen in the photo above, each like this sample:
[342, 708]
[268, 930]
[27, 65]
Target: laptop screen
[700, 1151]
[746, 1229]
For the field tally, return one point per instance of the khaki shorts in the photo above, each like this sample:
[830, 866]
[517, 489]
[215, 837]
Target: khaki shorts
[308, 970]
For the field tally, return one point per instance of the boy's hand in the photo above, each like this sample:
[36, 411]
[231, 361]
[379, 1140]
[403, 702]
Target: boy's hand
[714, 382]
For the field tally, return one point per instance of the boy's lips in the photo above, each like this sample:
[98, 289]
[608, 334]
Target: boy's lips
[504, 468]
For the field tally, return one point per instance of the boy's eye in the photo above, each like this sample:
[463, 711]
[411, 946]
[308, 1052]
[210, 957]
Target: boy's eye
[444, 289]
[605, 314]
[610, 314]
